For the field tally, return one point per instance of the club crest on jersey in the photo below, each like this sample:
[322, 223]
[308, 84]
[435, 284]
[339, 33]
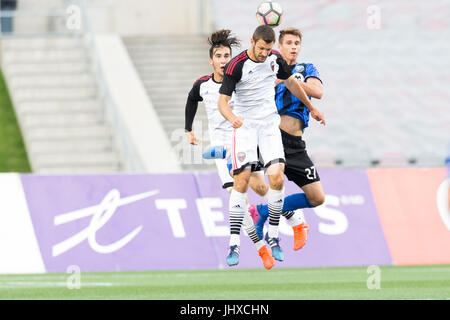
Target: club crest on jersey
[272, 65]
[241, 156]
[299, 68]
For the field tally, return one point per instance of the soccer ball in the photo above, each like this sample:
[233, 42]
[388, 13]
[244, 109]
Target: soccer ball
[269, 13]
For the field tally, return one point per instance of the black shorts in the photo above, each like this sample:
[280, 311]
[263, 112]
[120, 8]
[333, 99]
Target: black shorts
[299, 167]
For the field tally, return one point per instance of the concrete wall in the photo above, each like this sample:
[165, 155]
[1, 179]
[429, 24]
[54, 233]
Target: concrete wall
[141, 123]
[125, 17]
[149, 17]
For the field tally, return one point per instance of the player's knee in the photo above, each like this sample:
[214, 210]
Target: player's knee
[317, 199]
[240, 187]
[261, 189]
[276, 181]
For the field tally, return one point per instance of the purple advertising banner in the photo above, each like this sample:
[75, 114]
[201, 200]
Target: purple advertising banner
[344, 231]
[180, 221]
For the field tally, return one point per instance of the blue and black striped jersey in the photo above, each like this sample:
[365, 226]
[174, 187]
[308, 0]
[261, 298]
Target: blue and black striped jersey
[287, 103]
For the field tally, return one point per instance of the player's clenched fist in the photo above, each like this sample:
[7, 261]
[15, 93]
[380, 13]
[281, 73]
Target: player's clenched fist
[237, 122]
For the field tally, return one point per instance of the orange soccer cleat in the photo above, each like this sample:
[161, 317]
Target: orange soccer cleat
[300, 235]
[266, 257]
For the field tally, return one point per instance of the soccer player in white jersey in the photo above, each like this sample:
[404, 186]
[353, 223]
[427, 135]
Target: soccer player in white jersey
[251, 76]
[206, 89]
[294, 120]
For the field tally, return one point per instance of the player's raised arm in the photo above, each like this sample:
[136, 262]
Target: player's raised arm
[313, 87]
[313, 84]
[296, 89]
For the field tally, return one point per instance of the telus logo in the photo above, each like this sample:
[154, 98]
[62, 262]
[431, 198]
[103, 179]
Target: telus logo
[101, 214]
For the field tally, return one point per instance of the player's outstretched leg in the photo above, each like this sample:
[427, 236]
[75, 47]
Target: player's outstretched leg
[294, 217]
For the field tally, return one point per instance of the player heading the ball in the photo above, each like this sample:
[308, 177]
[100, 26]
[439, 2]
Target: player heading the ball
[251, 76]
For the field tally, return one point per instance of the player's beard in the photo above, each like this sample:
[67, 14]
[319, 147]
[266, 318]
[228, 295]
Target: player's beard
[257, 57]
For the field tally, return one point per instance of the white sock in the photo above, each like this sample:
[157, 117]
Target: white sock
[235, 240]
[275, 204]
[294, 218]
[249, 227]
[238, 209]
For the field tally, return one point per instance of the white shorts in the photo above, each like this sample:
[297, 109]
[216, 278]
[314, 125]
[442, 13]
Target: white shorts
[220, 137]
[224, 173]
[261, 134]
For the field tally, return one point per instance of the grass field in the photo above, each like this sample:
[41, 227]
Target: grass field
[13, 157]
[413, 282]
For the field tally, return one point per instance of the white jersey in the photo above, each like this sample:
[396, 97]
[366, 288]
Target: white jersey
[207, 90]
[254, 84]
[220, 130]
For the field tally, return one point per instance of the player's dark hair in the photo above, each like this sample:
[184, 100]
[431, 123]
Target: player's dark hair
[265, 33]
[292, 31]
[222, 38]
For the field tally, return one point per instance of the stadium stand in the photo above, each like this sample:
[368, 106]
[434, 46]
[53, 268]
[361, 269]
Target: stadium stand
[55, 94]
[56, 101]
[168, 67]
[385, 89]
[386, 93]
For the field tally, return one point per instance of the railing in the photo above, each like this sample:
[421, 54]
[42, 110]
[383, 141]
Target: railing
[74, 21]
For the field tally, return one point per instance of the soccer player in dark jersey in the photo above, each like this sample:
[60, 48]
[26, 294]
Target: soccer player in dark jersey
[294, 119]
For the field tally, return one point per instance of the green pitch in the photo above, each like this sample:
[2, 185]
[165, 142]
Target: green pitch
[414, 282]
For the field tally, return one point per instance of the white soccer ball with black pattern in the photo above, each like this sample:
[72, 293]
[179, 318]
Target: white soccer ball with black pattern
[269, 13]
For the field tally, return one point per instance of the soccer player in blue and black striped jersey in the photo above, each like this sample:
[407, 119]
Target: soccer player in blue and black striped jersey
[294, 120]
